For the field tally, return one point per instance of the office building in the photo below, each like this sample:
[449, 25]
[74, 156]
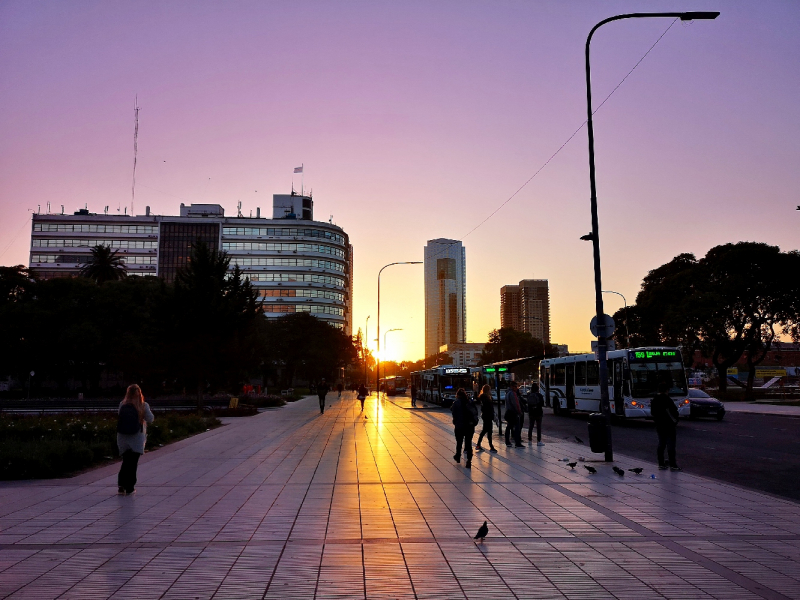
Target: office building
[526, 307]
[296, 264]
[445, 294]
[463, 355]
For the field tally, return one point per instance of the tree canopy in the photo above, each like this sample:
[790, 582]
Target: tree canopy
[104, 265]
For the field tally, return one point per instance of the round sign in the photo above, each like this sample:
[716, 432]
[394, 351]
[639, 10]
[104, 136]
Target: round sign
[606, 328]
[32, 373]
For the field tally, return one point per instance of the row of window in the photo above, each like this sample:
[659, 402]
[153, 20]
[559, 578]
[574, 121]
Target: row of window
[586, 373]
[246, 261]
[273, 246]
[294, 277]
[89, 243]
[85, 258]
[284, 231]
[300, 308]
[94, 228]
[302, 293]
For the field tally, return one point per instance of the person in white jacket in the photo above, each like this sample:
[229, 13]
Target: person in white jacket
[131, 445]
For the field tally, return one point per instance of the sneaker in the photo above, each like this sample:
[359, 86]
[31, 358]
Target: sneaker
[468, 464]
[662, 467]
[519, 446]
[121, 491]
[508, 445]
[478, 449]
[492, 449]
[540, 443]
[456, 458]
[675, 469]
[130, 492]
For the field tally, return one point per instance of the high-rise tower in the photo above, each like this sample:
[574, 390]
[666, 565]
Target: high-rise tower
[445, 294]
[526, 307]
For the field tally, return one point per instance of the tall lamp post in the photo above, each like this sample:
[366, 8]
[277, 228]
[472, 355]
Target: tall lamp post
[364, 348]
[627, 331]
[594, 236]
[385, 346]
[378, 363]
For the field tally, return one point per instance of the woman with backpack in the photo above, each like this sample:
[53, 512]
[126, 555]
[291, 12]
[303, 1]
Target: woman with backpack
[134, 415]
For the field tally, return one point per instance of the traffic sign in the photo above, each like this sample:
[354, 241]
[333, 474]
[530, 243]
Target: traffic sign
[605, 328]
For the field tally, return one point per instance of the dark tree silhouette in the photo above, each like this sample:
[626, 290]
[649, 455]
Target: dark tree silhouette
[106, 265]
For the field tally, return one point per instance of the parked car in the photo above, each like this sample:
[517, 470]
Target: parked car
[703, 405]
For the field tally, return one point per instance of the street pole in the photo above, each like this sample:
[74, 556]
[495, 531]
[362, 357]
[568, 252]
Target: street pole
[363, 351]
[378, 354]
[595, 235]
[627, 331]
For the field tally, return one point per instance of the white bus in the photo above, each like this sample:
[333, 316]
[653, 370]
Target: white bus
[440, 384]
[571, 383]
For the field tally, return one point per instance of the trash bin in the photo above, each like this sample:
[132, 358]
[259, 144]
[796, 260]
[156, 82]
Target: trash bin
[597, 432]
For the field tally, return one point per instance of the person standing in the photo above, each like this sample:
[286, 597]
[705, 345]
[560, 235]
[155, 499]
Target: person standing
[134, 415]
[322, 391]
[340, 389]
[362, 395]
[487, 415]
[413, 395]
[465, 417]
[535, 405]
[665, 415]
[513, 414]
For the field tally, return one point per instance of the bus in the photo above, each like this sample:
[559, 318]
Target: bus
[571, 383]
[393, 385]
[440, 384]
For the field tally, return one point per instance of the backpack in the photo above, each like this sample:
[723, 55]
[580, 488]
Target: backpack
[128, 423]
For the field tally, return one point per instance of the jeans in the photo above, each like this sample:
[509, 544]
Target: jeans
[513, 427]
[535, 417]
[666, 439]
[127, 472]
[464, 439]
[487, 431]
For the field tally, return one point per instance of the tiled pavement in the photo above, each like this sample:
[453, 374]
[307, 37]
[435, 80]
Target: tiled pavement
[294, 504]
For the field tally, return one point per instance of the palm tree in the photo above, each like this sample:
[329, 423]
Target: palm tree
[105, 265]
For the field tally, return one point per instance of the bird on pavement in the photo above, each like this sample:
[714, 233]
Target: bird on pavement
[619, 471]
[579, 440]
[637, 470]
[572, 465]
[591, 470]
[482, 532]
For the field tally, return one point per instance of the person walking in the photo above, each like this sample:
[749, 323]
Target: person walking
[322, 391]
[413, 395]
[340, 389]
[665, 415]
[512, 415]
[134, 415]
[465, 417]
[535, 405]
[487, 415]
[362, 395]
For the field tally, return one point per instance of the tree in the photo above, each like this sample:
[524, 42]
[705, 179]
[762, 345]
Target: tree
[15, 283]
[105, 265]
[508, 343]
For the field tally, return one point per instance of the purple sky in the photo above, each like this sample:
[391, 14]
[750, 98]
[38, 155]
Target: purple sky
[414, 121]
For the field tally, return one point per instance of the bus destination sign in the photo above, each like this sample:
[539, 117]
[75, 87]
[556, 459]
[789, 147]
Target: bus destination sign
[456, 371]
[656, 354]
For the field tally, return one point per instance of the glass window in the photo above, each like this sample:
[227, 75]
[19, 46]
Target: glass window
[580, 373]
[560, 374]
[592, 373]
[646, 376]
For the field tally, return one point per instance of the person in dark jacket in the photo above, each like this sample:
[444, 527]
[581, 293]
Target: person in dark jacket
[413, 395]
[362, 395]
[535, 405]
[513, 414]
[465, 417]
[487, 414]
[322, 391]
[665, 415]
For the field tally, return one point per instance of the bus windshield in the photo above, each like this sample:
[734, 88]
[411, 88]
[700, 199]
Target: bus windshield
[454, 382]
[645, 378]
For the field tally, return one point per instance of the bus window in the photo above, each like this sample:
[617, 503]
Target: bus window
[593, 373]
[542, 374]
[580, 373]
[559, 374]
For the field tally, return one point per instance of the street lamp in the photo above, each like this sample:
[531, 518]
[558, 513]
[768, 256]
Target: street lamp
[384, 344]
[594, 236]
[627, 331]
[378, 354]
[363, 349]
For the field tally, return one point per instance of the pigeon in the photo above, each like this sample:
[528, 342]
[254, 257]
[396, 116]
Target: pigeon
[591, 470]
[619, 471]
[365, 416]
[482, 532]
[579, 440]
[637, 470]
[572, 465]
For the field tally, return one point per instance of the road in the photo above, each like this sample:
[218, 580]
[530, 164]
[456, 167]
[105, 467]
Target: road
[760, 452]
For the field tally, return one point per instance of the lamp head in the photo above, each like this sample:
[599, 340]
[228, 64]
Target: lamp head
[699, 16]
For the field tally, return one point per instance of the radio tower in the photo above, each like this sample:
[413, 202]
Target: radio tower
[135, 146]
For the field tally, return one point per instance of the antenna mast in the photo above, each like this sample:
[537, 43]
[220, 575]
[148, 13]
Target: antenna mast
[135, 146]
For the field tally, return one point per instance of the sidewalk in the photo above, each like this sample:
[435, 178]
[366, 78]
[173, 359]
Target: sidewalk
[762, 409]
[294, 504]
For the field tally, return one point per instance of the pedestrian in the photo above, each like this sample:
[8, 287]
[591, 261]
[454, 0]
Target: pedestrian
[487, 415]
[523, 409]
[134, 415]
[413, 395]
[665, 415]
[535, 405]
[465, 417]
[362, 395]
[322, 391]
[512, 415]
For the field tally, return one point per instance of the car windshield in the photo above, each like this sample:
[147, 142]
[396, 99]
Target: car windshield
[646, 376]
[698, 394]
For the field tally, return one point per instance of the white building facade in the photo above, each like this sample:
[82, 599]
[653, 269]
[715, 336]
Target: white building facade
[445, 294]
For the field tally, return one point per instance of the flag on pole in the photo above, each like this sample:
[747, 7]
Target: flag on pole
[298, 169]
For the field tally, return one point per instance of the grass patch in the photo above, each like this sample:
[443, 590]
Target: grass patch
[42, 447]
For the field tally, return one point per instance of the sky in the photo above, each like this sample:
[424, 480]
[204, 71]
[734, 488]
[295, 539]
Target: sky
[416, 120]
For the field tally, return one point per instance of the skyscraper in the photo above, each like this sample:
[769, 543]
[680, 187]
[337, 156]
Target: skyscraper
[526, 307]
[445, 294]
